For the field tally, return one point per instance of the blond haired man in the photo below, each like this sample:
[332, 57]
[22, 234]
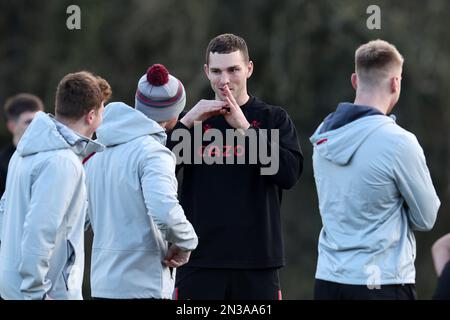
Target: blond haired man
[373, 185]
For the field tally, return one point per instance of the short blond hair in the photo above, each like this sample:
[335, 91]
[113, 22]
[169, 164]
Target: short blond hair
[375, 60]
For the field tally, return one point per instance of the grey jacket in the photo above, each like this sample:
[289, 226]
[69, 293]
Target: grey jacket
[43, 213]
[374, 189]
[133, 208]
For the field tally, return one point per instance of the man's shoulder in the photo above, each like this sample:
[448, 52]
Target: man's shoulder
[259, 104]
[55, 164]
[150, 146]
[396, 138]
[399, 133]
[277, 114]
[61, 158]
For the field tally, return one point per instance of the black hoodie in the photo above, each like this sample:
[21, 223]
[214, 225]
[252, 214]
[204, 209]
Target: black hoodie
[234, 209]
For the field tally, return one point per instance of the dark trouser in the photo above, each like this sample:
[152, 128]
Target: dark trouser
[443, 285]
[227, 284]
[326, 290]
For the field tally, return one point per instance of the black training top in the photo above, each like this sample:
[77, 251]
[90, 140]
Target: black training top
[234, 209]
[443, 285]
[5, 155]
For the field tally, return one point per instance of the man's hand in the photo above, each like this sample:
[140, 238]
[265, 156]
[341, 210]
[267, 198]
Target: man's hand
[176, 257]
[203, 110]
[235, 117]
[441, 253]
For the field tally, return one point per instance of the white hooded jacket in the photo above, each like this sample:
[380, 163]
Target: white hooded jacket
[43, 212]
[374, 189]
[133, 208]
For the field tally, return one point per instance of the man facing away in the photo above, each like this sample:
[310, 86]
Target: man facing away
[235, 209]
[373, 185]
[140, 230]
[44, 205]
[20, 111]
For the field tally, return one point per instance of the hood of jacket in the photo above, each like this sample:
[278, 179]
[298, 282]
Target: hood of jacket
[45, 133]
[122, 123]
[343, 132]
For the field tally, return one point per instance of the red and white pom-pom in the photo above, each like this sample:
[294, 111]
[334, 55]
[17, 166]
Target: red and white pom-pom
[157, 75]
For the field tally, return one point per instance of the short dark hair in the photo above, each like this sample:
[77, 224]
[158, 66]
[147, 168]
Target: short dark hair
[227, 43]
[77, 94]
[20, 103]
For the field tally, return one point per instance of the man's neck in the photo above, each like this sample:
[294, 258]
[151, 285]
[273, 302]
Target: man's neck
[243, 99]
[76, 126]
[373, 100]
[15, 141]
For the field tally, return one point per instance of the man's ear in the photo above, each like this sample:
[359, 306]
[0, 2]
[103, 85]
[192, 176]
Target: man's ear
[395, 84]
[11, 125]
[249, 69]
[90, 116]
[206, 69]
[354, 80]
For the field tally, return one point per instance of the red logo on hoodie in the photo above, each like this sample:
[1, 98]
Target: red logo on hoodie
[206, 127]
[255, 124]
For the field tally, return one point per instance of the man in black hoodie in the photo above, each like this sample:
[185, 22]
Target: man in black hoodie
[235, 208]
[19, 110]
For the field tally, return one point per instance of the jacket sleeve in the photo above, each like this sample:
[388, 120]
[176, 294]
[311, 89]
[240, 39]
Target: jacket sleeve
[159, 187]
[415, 185]
[2, 212]
[290, 157]
[51, 193]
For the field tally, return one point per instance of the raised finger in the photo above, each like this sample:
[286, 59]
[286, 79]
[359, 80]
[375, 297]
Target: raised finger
[231, 104]
[230, 96]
